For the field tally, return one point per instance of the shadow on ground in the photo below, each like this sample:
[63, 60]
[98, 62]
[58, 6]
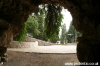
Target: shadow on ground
[16, 58]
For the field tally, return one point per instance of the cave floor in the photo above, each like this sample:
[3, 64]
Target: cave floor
[56, 55]
[48, 49]
[17, 58]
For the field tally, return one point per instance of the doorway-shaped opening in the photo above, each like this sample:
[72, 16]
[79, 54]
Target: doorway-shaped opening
[68, 33]
[50, 25]
[36, 28]
[13, 13]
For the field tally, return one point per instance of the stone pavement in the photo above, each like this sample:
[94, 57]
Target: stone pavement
[48, 49]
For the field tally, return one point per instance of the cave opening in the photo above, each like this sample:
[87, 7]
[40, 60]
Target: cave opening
[13, 14]
[70, 34]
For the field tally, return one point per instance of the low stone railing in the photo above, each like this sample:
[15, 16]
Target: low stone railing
[16, 44]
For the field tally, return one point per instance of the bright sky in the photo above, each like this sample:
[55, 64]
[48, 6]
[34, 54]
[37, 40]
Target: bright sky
[67, 18]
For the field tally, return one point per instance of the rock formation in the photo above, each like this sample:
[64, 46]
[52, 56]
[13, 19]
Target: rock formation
[85, 13]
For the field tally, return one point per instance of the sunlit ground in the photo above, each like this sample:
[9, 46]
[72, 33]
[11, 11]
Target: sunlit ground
[48, 49]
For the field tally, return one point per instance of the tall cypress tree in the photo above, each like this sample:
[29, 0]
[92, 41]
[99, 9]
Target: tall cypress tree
[72, 34]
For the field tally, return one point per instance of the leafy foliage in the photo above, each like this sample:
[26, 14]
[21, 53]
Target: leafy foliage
[40, 13]
[54, 39]
[45, 23]
[63, 38]
[53, 20]
[21, 36]
[72, 34]
[32, 25]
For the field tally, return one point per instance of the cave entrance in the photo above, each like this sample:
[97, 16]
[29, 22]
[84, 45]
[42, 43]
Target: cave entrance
[68, 35]
[38, 20]
[57, 17]
[37, 28]
[85, 13]
[62, 22]
[52, 21]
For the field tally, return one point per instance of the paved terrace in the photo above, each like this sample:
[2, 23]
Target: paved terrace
[48, 49]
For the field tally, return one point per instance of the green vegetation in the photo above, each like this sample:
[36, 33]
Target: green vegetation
[44, 24]
[69, 36]
[53, 20]
[72, 34]
[32, 25]
[63, 37]
[22, 35]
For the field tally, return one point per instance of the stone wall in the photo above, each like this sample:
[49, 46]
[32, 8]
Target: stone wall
[28, 42]
[16, 44]
[40, 42]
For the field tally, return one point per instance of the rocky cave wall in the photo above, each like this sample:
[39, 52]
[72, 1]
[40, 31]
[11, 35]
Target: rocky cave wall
[85, 13]
[13, 13]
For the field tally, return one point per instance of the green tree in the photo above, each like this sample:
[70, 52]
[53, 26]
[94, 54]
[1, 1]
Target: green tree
[46, 22]
[32, 25]
[51, 30]
[72, 34]
[22, 35]
[54, 39]
[53, 20]
[40, 13]
[63, 34]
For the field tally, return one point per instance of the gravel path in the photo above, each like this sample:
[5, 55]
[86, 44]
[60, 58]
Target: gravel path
[47, 49]
[56, 55]
[40, 59]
